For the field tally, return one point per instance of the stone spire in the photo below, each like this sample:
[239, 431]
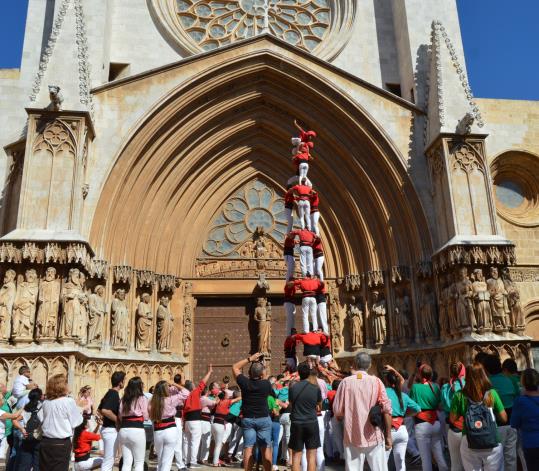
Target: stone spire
[451, 107]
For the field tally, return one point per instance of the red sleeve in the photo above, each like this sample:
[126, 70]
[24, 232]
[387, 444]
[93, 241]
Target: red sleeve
[89, 436]
[201, 386]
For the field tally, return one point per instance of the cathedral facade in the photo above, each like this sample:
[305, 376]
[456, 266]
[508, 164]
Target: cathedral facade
[144, 165]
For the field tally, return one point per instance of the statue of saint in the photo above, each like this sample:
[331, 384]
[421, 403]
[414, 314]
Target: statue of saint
[165, 324]
[481, 298]
[464, 293]
[24, 307]
[355, 317]
[263, 317]
[187, 328]
[428, 312]
[71, 297]
[402, 317]
[7, 298]
[513, 299]
[336, 332]
[452, 296]
[49, 302]
[82, 321]
[498, 300]
[119, 321]
[378, 312]
[143, 337]
[97, 309]
[443, 300]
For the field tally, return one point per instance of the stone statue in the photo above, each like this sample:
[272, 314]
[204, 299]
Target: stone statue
[263, 317]
[24, 307]
[517, 320]
[355, 317]
[143, 334]
[402, 317]
[97, 309]
[187, 322]
[336, 332]
[378, 312]
[481, 298]
[464, 293]
[428, 312]
[452, 296]
[443, 317]
[165, 324]
[56, 98]
[498, 301]
[7, 298]
[49, 302]
[71, 322]
[82, 324]
[119, 321]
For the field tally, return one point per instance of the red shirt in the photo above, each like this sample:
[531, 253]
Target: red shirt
[309, 286]
[306, 237]
[223, 408]
[303, 192]
[289, 292]
[315, 201]
[317, 244]
[305, 136]
[289, 199]
[325, 345]
[301, 158]
[192, 403]
[311, 342]
[290, 346]
[84, 443]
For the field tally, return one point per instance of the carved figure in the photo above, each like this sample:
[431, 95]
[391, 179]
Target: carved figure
[513, 299]
[143, 337]
[498, 300]
[378, 312]
[96, 313]
[7, 298]
[263, 317]
[355, 317]
[428, 312]
[56, 98]
[452, 296]
[402, 317]
[82, 321]
[190, 304]
[70, 324]
[24, 307]
[443, 317]
[49, 302]
[165, 321]
[481, 298]
[336, 332]
[464, 293]
[119, 320]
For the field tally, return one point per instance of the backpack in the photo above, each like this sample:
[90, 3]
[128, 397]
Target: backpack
[480, 426]
[33, 426]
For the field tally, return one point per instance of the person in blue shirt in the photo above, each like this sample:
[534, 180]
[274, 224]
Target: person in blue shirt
[525, 417]
[401, 406]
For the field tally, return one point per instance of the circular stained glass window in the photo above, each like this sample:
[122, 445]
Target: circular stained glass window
[213, 23]
[510, 194]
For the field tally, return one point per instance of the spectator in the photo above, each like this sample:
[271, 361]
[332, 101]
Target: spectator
[60, 416]
[178, 449]
[220, 427]
[208, 400]
[274, 408]
[86, 401]
[356, 396]
[336, 425]
[22, 386]
[525, 416]
[510, 369]
[256, 422]
[284, 420]
[109, 407]
[82, 445]
[4, 417]
[235, 448]
[30, 428]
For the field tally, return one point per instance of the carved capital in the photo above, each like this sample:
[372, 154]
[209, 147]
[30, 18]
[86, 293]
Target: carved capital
[122, 273]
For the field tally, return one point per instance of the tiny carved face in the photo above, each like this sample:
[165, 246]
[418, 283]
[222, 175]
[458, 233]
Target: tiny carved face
[494, 272]
[165, 301]
[50, 274]
[100, 290]
[375, 296]
[31, 275]
[120, 294]
[74, 274]
[82, 278]
[463, 273]
[146, 298]
[478, 274]
[9, 276]
[261, 302]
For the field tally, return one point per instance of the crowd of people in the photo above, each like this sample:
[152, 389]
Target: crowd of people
[485, 416]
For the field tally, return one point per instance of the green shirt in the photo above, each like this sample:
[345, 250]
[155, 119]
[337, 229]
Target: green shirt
[408, 404]
[5, 407]
[235, 409]
[506, 389]
[428, 398]
[459, 405]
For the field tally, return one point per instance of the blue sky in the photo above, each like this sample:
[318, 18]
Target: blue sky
[500, 43]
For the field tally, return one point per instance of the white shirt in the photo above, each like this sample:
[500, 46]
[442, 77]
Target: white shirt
[19, 388]
[2, 425]
[60, 417]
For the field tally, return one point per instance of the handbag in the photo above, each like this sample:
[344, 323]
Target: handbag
[376, 418]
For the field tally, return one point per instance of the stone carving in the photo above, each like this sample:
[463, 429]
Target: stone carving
[465, 158]
[85, 96]
[378, 313]
[167, 282]
[122, 273]
[464, 293]
[262, 282]
[85, 189]
[424, 269]
[464, 127]
[119, 321]
[97, 309]
[479, 254]
[481, 298]
[7, 299]
[452, 297]
[49, 302]
[400, 273]
[519, 275]
[189, 308]
[443, 308]
[24, 307]
[165, 323]
[145, 277]
[352, 282]
[71, 322]
[83, 320]
[99, 269]
[428, 312]
[336, 332]
[263, 317]
[375, 278]
[143, 334]
[10, 253]
[498, 301]
[56, 98]
[403, 310]
[355, 317]
[517, 319]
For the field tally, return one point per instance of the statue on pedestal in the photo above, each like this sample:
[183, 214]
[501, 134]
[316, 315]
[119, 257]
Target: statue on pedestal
[428, 312]
[378, 312]
[70, 324]
[165, 323]
[82, 324]
[263, 317]
[120, 321]
[355, 317]
[443, 317]
[517, 320]
[336, 332]
[189, 307]
[464, 293]
[481, 297]
[452, 297]
[498, 301]
[49, 302]
[403, 311]
[24, 307]
[143, 335]
[7, 298]
[97, 309]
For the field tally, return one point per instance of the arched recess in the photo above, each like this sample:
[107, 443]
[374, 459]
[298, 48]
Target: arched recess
[531, 315]
[232, 124]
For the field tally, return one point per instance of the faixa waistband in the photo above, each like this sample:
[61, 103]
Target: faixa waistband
[133, 421]
[205, 416]
[163, 424]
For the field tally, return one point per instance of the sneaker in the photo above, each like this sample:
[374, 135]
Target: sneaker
[195, 466]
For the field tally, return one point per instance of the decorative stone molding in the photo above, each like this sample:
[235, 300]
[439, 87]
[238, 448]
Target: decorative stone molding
[524, 274]
[145, 277]
[474, 254]
[122, 273]
[424, 269]
[167, 282]
[435, 41]
[400, 273]
[467, 157]
[375, 278]
[353, 282]
[85, 96]
[99, 269]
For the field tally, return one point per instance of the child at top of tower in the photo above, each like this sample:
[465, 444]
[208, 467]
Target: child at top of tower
[305, 136]
[302, 144]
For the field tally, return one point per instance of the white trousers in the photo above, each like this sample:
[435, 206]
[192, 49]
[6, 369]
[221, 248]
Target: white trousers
[412, 444]
[290, 309]
[205, 440]
[295, 181]
[453, 445]
[303, 170]
[289, 219]
[110, 447]
[90, 463]
[429, 442]
[400, 441]
[315, 216]
[178, 448]
[320, 458]
[285, 422]
[220, 434]
[375, 456]
[133, 443]
[290, 266]
[337, 428]
[308, 310]
[193, 433]
[304, 213]
[508, 438]
[306, 260]
[319, 267]
[323, 316]
[481, 460]
[165, 442]
[235, 447]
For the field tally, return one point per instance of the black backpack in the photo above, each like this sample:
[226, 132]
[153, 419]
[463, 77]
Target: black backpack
[480, 426]
[33, 426]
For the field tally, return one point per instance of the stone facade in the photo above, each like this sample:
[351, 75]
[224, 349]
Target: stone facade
[145, 161]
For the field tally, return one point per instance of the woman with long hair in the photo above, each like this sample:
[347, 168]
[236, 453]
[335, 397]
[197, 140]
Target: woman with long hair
[162, 410]
[86, 401]
[427, 427]
[133, 412]
[221, 427]
[27, 457]
[82, 446]
[402, 405]
[60, 416]
[478, 389]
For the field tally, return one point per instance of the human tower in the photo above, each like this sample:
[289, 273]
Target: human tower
[302, 198]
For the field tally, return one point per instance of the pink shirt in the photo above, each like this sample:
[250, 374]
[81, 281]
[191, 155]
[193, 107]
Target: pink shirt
[323, 388]
[353, 401]
[139, 408]
[175, 399]
[206, 403]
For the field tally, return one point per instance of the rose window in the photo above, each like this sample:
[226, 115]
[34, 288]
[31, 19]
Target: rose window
[213, 23]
